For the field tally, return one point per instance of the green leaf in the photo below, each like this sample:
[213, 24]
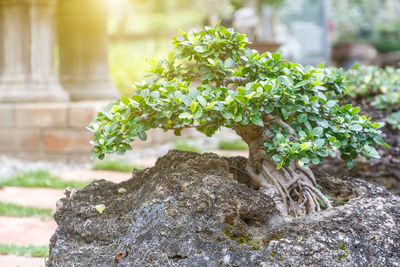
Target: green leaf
[280, 138]
[331, 103]
[305, 146]
[137, 98]
[242, 99]
[280, 165]
[300, 162]
[227, 115]
[94, 155]
[125, 100]
[373, 153]
[305, 160]
[276, 158]
[376, 125]
[355, 110]
[356, 127]
[315, 160]
[276, 56]
[347, 107]
[100, 208]
[337, 143]
[200, 48]
[257, 121]
[202, 101]
[185, 115]
[320, 143]
[322, 153]
[229, 63]
[285, 113]
[350, 164]
[268, 108]
[302, 118]
[302, 83]
[193, 106]
[317, 131]
[142, 136]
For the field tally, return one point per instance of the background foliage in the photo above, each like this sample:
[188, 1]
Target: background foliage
[378, 87]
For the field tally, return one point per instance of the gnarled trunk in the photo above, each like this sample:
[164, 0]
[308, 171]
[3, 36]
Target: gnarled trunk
[292, 188]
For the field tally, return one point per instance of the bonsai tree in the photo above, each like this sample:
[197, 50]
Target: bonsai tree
[280, 109]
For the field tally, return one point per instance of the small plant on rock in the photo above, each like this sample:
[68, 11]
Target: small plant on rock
[280, 109]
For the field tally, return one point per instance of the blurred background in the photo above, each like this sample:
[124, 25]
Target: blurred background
[307, 31]
[61, 60]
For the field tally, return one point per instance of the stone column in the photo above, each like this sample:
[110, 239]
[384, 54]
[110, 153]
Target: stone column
[82, 38]
[26, 52]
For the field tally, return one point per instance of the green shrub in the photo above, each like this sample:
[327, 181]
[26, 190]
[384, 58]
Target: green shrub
[379, 87]
[280, 109]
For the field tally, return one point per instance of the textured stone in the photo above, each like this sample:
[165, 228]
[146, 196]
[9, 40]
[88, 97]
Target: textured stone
[41, 115]
[82, 113]
[18, 139]
[65, 140]
[196, 210]
[7, 118]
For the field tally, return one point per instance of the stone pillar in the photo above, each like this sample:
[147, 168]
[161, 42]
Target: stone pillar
[82, 38]
[26, 52]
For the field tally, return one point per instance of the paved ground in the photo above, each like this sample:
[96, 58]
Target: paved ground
[20, 261]
[32, 231]
[37, 197]
[26, 231]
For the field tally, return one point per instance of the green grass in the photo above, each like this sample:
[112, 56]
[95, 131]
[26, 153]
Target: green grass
[233, 145]
[184, 146]
[8, 209]
[32, 251]
[40, 179]
[114, 165]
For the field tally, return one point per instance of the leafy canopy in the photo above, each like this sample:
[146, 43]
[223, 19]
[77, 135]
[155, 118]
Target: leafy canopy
[211, 79]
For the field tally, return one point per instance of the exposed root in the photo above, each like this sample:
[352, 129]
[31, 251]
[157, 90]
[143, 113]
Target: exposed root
[292, 188]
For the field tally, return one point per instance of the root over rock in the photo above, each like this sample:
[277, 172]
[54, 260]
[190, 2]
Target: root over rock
[198, 210]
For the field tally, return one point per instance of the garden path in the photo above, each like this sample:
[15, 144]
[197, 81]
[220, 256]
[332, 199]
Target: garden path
[34, 231]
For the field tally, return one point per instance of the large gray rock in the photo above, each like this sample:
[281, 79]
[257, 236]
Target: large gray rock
[196, 210]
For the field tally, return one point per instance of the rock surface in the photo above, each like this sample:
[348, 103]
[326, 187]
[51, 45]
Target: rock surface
[196, 210]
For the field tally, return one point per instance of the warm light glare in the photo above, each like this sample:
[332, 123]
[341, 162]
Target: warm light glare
[115, 2]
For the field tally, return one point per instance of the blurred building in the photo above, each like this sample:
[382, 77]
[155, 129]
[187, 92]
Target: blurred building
[43, 113]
